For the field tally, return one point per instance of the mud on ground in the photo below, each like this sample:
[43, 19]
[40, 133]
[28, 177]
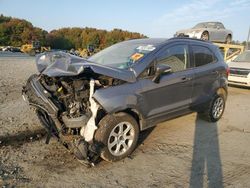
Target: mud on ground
[184, 152]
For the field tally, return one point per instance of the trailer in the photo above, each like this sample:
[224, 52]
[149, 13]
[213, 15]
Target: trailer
[230, 51]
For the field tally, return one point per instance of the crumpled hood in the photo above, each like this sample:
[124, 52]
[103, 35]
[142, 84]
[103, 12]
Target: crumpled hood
[54, 64]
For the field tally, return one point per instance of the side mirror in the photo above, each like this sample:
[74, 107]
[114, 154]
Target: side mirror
[161, 69]
[91, 48]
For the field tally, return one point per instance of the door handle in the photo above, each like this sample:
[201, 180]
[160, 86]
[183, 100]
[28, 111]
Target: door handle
[184, 79]
[215, 72]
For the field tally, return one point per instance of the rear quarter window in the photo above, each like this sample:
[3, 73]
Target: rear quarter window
[202, 55]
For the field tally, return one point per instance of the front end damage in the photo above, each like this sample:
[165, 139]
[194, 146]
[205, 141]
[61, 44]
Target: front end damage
[65, 105]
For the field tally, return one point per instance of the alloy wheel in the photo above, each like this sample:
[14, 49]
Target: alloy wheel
[218, 107]
[121, 138]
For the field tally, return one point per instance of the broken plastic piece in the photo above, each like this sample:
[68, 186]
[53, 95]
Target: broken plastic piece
[88, 131]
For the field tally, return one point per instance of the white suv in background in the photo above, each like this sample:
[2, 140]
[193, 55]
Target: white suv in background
[240, 70]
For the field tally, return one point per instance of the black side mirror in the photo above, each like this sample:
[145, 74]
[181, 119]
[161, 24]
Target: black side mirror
[161, 69]
[91, 48]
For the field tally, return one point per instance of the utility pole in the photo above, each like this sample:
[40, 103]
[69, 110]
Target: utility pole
[248, 38]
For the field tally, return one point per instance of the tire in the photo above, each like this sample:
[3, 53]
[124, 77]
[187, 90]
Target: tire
[215, 109]
[32, 53]
[205, 36]
[115, 133]
[228, 39]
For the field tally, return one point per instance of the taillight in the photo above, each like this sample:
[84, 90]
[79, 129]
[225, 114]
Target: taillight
[228, 71]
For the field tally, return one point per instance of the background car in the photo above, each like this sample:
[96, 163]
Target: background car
[10, 49]
[213, 31]
[240, 70]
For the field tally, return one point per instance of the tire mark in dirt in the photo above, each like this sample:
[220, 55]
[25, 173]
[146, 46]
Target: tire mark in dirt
[231, 129]
[167, 148]
[234, 174]
[21, 138]
[11, 175]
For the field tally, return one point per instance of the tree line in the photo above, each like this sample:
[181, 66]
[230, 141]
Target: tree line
[16, 32]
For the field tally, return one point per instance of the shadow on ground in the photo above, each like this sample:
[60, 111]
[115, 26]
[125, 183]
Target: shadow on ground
[22, 138]
[206, 162]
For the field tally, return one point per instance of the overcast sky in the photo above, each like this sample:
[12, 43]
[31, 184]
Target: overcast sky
[154, 18]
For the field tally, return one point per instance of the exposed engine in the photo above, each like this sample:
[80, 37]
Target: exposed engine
[71, 93]
[71, 96]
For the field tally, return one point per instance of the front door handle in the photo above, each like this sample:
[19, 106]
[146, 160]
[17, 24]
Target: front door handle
[184, 79]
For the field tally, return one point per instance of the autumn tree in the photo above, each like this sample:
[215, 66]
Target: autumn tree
[16, 32]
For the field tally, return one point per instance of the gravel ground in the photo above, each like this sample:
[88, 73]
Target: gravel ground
[183, 152]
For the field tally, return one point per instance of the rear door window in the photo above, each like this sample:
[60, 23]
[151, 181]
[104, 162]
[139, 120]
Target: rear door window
[202, 55]
[221, 26]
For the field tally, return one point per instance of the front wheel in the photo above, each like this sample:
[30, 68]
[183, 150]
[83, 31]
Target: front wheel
[215, 109]
[205, 36]
[117, 135]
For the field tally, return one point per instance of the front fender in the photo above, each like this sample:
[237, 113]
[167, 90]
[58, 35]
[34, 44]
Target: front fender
[115, 104]
[121, 97]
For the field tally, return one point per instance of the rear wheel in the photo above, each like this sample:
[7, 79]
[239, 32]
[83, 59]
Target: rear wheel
[215, 109]
[205, 36]
[117, 135]
[228, 39]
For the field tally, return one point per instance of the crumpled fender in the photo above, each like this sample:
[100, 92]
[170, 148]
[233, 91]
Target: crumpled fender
[115, 104]
[118, 98]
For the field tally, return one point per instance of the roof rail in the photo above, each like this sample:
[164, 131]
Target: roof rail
[187, 38]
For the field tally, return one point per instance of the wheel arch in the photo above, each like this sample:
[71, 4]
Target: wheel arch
[130, 111]
[231, 36]
[222, 91]
[205, 31]
[135, 114]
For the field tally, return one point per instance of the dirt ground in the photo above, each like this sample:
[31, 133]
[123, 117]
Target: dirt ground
[184, 152]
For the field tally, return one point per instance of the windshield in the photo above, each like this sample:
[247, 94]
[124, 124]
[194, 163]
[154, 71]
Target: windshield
[244, 57]
[122, 55]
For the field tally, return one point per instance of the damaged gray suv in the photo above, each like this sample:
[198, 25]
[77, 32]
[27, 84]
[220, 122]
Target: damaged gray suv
[96, 107]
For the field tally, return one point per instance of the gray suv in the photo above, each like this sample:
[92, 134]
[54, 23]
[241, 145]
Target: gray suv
[96, 107]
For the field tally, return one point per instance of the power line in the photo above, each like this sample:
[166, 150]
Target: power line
[248, 38]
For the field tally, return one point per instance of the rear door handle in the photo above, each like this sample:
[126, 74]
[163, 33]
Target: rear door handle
[215, 72]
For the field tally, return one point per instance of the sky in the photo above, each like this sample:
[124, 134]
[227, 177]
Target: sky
[153, 18]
